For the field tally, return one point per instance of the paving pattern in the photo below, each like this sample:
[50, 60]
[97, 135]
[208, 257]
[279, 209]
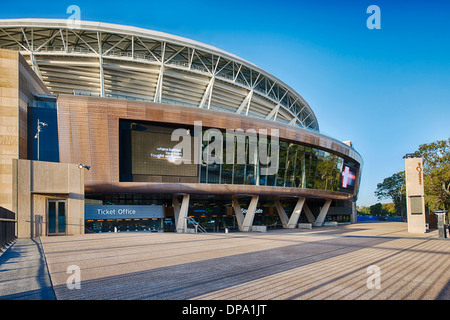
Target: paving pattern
[23, 272]
[323, 263]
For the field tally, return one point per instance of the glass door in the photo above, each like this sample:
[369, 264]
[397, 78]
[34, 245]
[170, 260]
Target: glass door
[56, 216]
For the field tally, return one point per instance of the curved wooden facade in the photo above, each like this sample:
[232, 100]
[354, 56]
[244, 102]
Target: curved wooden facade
[89, 134]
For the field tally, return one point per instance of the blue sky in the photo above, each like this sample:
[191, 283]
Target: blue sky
[386, 90]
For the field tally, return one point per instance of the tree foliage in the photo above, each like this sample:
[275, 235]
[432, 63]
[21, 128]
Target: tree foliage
[394, 188]
[436, 171]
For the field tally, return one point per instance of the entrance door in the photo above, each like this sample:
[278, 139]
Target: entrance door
[56, 216]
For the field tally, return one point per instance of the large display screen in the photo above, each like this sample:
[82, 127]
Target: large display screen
[348, 177]
[155, 154]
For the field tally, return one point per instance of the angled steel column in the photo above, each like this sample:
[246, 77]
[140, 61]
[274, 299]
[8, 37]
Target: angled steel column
[250, 215]
[323, 213]
[238, 211]
[293, 220]
[245, 222]
[176, 207]
[281, 213]
[309, 214]
[182, 215]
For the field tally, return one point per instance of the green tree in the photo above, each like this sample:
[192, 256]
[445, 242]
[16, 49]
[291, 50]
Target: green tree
[436, 171]
[376, 209]
[363, 211]
[394, 188]
[389, 208]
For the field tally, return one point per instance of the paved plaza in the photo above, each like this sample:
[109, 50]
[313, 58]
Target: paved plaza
[322, 263]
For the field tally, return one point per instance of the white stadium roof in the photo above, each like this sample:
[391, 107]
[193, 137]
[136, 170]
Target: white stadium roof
[110, 60]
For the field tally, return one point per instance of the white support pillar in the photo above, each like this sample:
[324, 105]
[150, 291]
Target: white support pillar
[238, 211]
[281, 213]
[100, 61]
[208, 93]
[293, 220]
[176, 207]
[102, 78]
[245, 103]
[182, 215]
[309, 214]
[159, 85]
[245, 222]
[250, 215]
[323, 213]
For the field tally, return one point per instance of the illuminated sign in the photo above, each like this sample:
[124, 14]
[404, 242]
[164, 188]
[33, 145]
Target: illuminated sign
[348, 178]
[94, 212]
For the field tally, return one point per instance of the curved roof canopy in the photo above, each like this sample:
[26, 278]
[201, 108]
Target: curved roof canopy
[111, 60]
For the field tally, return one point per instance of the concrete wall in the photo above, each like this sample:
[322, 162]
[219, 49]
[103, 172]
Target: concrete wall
[36, 181]
[415, 190]
[18, 82]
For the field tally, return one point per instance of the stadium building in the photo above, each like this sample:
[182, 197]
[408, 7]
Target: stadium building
[88, 115]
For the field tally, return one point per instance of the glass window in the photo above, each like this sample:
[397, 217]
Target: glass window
[48, 147]
[280, 178]
[239, 170]
[203, 169]
[213, 173]
[250, 175]
[227, 174]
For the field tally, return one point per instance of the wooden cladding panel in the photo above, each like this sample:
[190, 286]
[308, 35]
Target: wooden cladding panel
[89, 132]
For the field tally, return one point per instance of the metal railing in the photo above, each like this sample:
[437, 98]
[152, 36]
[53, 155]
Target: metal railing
[197, 225]
[7, 227]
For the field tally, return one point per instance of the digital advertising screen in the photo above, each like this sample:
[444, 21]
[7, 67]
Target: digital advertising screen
[155, 154]
[348, 177]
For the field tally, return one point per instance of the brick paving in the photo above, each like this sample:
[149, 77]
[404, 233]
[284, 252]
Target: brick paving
[323, 263]
[23, 272]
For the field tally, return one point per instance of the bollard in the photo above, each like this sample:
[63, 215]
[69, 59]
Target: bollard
[441, 225]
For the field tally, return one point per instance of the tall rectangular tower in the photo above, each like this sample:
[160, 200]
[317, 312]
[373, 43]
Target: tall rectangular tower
[415, 202]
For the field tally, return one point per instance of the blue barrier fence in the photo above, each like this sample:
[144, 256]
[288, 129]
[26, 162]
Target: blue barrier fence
[376, 218]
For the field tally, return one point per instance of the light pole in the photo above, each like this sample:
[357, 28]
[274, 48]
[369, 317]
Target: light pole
[39, 128]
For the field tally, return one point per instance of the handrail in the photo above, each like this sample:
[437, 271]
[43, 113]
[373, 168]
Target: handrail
[196, 224]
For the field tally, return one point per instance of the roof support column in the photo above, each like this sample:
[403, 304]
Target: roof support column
[100, 60]
[102, 79]
[158, 91]
[208, 93]
[323, 213]
[159, 84]
[246, 103]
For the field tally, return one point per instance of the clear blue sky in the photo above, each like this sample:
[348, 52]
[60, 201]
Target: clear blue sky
[387, 90]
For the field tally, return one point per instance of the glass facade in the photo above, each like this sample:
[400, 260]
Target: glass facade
[299, 166]
[44, 110]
